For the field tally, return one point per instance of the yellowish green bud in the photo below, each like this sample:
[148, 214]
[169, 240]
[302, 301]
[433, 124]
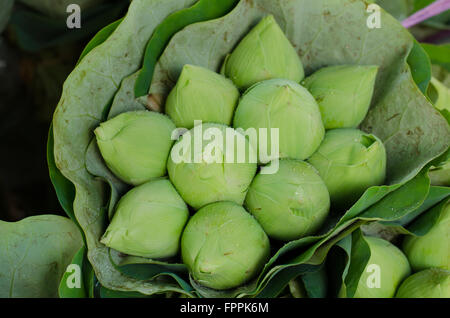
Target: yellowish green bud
[264, 53]
[349, 161]
[432, 249]
[386, 269]
[287, 107]
[201, 94]
[343, 93]
[204, 165]
[429, 283]
[224, 246]
[135, 145]
[290, 204]
[148, 221]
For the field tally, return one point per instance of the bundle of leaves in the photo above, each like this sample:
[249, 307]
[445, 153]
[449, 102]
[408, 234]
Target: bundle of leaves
[134, 63]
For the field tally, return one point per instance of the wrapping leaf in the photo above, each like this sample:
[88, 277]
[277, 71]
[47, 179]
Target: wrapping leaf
[34, 255]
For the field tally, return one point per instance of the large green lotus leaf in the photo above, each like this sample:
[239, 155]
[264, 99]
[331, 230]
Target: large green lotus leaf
[34, 254]
[124, 100]
[86, 95]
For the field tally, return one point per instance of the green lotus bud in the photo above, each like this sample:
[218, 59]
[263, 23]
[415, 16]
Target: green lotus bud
[211, 163]
[432, 249]
[286, 106]
[201, 94]
[343, 92]
[148, 221]
[264, 53]
[429, 283]
[135, 145]
[223, 246]
[349, 161]
[386, 269]
[291, 203]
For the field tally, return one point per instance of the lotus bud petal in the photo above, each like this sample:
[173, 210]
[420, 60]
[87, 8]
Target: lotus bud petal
[349, 161]
[429, 283]
[286, 106]
[135, 145]
[432, 249]
[343, 93]
[148, 221]
[264, 53]
[291, 203]
[201, 94]
[388, 265]
[210, 170]
[224, 246]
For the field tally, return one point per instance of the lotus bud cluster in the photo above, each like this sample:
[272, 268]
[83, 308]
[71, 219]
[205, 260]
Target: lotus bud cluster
[224, 246]
[148, 221]
[349, 161]
[201, 94]
[292, 203]
[245, 155]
